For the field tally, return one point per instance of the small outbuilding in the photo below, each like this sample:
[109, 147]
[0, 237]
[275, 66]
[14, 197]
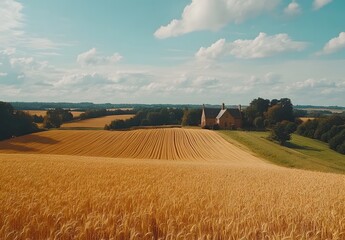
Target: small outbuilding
[224, 118]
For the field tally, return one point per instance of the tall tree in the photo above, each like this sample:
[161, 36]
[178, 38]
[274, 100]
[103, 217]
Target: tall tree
[256, 108]
[283, 110]
[280, 133]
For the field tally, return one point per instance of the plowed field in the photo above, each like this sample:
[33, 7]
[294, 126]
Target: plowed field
[171, 143]
[96, 122]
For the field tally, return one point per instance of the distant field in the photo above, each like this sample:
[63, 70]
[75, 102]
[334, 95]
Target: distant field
[305, 119]
[301, 152]
[96, 122]
[323, 109]
[43, 112]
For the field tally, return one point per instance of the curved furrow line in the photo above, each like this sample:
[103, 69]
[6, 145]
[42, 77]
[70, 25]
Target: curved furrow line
[125, 145]
[171, 144]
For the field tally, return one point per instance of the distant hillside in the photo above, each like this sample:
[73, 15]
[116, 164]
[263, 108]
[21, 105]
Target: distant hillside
[90, 105]
[319, 107]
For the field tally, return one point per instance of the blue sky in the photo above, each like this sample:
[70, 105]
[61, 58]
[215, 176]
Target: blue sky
[182, 51]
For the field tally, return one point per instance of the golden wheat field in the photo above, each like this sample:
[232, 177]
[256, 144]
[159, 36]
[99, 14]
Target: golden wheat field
[169, 143]
[205, 188]
[96, 122]
[305, 119]
[44, 112]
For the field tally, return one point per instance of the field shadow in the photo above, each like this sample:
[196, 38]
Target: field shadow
[33, 138]
[295, 146]
[18, 144]
[16, 148]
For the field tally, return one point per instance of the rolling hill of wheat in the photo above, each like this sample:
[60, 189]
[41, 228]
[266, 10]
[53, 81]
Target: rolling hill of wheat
[209, 189]
[167, 143]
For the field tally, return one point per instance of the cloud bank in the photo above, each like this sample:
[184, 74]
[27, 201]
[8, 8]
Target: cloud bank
[261, 47]
[213, 15]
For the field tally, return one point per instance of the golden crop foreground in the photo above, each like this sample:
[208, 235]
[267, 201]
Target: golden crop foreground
[66, 197]
[46, 196]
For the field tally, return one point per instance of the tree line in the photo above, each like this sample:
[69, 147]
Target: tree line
[95, 113]
[14, 123]
[328, 129]
[149, 117]
[54, 118]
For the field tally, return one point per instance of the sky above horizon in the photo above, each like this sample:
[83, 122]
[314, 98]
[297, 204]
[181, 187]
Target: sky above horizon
[181, 51]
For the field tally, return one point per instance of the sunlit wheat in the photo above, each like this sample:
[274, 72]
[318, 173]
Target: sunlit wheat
[46, 196]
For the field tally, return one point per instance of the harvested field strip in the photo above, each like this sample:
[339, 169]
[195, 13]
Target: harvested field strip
[75, 197]
[96, 122]
[44, 112]
[171, 143]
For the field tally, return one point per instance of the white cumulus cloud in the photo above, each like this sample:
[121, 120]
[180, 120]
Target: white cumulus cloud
[334, 45]
[213, 15]
[293, 9]
[260, 47]
[11, 16]
[8, 51]
[3, 74]
[22, 61]
[92, 57]
[317, 4]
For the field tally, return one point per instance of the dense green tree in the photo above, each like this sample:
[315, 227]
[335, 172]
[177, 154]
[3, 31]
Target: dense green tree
[339, 139]
[55, 118]
[328, 129]
[275, 114]
[259, 123]
[341, 148]
[280, 133]
[23, 123]
[283, 110]
[256, 108]
[273, 111]
[325, 124]
[14, 123]
[191, 117]
[155, 118]
[118, 124]
[331, 133]
[52, 120]
[6, 120]
[274, 102]
[291, 127]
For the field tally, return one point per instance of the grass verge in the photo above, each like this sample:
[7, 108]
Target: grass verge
[300, 152]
